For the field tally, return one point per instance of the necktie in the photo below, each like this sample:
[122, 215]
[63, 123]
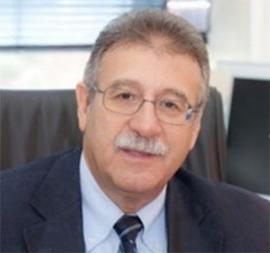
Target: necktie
[127, 228]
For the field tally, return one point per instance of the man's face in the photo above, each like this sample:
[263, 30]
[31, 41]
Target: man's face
[129, 172]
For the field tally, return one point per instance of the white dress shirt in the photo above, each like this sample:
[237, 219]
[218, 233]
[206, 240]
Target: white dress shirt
[100, 214]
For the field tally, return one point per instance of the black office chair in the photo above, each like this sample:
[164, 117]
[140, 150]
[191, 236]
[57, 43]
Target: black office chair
[35, 124]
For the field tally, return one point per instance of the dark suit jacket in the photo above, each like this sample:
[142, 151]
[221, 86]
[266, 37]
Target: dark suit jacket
[41, 211]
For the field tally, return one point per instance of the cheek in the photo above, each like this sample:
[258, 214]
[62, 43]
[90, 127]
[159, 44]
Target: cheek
[98, 130]
[97, 143]
[179, 142]
[101, 130]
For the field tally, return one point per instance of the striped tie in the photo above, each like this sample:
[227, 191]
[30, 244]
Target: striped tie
[127, 228]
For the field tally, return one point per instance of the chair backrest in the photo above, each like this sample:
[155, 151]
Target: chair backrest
[35, 124]
[209, 156]
[248, 135]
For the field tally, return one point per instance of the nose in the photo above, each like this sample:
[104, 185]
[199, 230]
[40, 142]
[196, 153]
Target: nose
[145, 122]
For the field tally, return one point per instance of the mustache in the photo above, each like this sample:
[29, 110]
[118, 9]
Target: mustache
[134, 141]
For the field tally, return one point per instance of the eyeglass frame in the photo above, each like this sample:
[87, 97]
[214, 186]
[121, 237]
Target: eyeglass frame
[188, 114]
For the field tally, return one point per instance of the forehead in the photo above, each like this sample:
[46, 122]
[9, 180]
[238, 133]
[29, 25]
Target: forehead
[152, 69]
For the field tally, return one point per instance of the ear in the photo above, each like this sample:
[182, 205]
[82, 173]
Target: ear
[82, 98]
[196, 127]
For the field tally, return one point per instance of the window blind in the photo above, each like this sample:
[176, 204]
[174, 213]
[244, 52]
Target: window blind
[30, 23]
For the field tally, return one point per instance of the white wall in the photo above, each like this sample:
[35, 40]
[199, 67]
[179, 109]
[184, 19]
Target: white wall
[42, 69]
[239, 44]
[240, 30]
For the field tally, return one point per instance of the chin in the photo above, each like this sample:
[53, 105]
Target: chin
[140, 185]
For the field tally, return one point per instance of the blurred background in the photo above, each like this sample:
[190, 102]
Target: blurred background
[44, 45]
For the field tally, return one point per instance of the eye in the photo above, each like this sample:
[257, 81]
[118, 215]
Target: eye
[125, 96]
[170, 105]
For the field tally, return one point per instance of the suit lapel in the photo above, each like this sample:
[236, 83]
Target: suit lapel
[190, 225]
[58, 203]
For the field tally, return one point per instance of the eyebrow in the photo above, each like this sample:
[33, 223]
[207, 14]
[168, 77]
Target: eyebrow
[137, 84]
[176, 92]
[124, 82]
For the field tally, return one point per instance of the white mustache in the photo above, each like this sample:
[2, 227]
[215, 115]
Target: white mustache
[135, 142]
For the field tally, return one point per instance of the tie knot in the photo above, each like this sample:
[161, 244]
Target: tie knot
[128, 227]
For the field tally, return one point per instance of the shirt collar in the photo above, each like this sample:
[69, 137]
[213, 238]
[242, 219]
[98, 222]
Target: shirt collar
[153, 217]
[96, 204]
[149, 212]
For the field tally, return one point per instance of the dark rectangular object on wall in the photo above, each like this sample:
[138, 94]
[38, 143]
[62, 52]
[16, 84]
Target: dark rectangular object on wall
[248, 135]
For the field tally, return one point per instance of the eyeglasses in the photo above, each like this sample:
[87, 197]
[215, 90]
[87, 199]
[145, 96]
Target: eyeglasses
[127, 100]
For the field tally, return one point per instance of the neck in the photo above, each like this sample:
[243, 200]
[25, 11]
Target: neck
[127, 201]
[131, 202]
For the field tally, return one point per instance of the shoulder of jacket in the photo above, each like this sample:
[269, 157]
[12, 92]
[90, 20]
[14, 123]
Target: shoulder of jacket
[27, 176]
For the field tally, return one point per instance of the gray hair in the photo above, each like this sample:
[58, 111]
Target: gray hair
[141, 27]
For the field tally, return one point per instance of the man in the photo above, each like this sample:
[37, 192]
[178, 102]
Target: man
[139, 108]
